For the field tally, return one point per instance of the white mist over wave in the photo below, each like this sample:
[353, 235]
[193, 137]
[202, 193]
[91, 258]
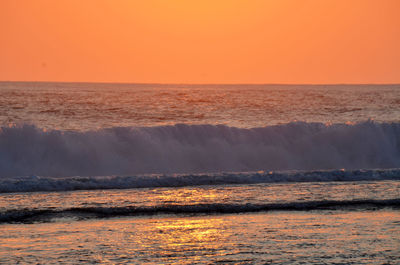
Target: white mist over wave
[27, 150]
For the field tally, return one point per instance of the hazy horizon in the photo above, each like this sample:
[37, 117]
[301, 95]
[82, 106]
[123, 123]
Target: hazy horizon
[178, 83]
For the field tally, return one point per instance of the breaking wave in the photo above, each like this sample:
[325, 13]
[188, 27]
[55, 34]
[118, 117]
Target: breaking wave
[26, 150]
[47, 215]
[36, 183]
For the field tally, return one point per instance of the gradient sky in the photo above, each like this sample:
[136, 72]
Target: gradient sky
[201, 41]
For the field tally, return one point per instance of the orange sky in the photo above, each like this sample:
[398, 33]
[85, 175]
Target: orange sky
[201, 41]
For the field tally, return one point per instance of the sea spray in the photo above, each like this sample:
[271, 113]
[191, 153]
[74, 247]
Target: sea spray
[27, 150]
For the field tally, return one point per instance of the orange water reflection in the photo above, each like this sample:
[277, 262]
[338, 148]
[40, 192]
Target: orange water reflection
[187, 236]
[190, 195]
[276, 237]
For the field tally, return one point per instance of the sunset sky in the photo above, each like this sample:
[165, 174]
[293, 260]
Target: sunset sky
[207, 41]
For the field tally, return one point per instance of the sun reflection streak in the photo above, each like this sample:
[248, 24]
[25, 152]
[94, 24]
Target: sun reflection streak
[192, 236]
[276, 237]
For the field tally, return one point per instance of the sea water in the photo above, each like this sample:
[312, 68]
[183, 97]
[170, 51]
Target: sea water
[186, 174]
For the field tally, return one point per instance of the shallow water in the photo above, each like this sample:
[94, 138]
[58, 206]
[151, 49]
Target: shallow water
[337, 237]
[207, 199]
[299, 223]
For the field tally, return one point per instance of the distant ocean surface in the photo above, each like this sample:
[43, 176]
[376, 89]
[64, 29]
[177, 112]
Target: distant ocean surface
[162, 173]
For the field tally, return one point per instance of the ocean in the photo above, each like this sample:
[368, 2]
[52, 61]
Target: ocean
[199, 174]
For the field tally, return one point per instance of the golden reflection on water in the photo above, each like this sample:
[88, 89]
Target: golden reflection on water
[176, 240]
[182, 233]
[190, 195]
[273, 237]
[276, 237]
[187, 235]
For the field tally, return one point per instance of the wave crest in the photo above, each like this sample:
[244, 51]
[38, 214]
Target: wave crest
[27, 150]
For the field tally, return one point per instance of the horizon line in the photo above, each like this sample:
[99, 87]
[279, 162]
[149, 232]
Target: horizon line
[184, 83]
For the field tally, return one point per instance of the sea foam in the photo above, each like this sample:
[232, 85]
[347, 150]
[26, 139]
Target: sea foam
[37, 183]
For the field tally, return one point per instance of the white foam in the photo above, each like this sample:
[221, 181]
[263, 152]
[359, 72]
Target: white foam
[36, 183]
